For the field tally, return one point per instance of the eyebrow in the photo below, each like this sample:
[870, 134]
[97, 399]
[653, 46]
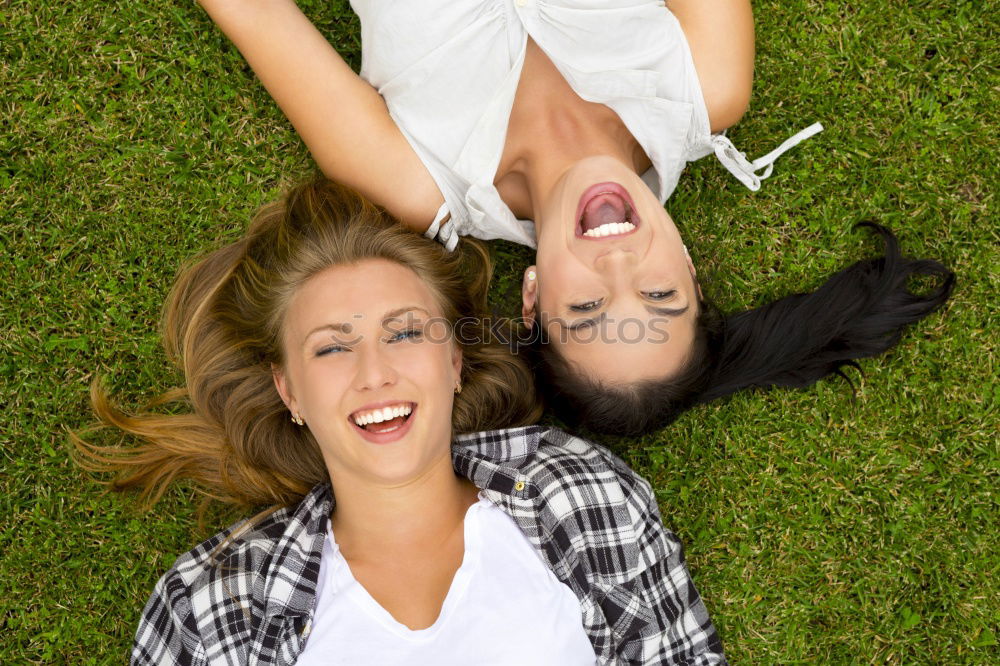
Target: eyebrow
[586, 322]
[346, 328]
[666, 312]
[338, 328]
[393, 314]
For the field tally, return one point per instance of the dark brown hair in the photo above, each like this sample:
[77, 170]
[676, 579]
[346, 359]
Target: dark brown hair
[795, 341]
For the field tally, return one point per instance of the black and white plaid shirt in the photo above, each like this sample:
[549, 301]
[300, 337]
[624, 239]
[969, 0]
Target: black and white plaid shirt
[595, 522]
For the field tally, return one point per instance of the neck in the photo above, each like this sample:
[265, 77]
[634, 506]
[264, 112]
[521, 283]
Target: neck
[371, 518]
[558, 140]
[550, 129]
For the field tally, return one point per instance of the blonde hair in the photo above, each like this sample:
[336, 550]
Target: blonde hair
[222, 326]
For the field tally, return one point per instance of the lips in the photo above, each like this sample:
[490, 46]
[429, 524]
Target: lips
[606, 210]
[386, 427]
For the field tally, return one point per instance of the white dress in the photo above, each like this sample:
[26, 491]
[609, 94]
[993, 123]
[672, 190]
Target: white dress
[448, 71]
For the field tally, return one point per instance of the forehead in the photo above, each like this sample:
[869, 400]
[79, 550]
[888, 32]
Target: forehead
[369, 287]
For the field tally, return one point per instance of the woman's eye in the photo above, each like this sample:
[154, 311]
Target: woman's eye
[331, 349]
[660, 295]
[408, 334]
[586, 307]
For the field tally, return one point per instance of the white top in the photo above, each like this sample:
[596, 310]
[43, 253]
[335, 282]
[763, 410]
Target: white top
[504, 607]
[448, 71]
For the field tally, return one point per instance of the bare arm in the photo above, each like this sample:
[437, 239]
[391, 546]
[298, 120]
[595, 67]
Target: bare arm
[720, 33]
[342, 119]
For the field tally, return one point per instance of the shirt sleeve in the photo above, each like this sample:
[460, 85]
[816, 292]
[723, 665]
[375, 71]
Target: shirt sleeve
[168, 633]
[682, 632]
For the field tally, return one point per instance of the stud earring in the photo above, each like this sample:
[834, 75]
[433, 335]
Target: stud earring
[297, 419]
[531, 276]
[458, 387]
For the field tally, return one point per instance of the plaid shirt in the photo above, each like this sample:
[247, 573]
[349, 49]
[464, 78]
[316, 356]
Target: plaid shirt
[594, 521]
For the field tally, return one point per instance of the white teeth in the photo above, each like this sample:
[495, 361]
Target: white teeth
[384, 414]
[610, 229]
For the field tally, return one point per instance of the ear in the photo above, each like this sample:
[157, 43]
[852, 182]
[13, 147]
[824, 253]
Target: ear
[694, 273]
[283, 385]
[529, 296]
[687, 256]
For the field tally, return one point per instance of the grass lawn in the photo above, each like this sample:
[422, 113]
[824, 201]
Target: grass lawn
[820, 528]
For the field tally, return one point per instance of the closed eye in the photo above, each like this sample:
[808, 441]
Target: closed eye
[660, 295]
[408, 334]
[589, 306]
[331, 349]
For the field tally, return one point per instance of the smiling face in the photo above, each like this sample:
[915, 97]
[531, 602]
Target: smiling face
[371, 367]
[614, 287]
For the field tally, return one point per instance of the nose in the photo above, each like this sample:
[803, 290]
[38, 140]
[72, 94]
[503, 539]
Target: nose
[373, 370]
[616, 261]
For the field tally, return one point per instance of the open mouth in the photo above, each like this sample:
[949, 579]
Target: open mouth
[606, 211]
[384, 418]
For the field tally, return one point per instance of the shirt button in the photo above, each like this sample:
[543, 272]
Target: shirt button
[519, 486]
[520, 3]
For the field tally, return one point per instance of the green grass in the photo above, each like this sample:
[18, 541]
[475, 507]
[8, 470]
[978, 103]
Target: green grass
[820, 528]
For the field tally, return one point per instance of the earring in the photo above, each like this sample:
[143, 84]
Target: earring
[297, 419]
[531, 276]
[458, 387]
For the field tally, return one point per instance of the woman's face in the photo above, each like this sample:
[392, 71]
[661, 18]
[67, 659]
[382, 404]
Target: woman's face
[614, 287]
[371, 367]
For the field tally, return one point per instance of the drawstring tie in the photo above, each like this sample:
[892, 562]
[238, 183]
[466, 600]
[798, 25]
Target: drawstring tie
[444, 233]
[746, 171]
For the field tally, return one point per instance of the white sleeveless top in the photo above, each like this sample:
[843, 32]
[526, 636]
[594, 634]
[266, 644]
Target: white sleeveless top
[504, 607]
[448, 71]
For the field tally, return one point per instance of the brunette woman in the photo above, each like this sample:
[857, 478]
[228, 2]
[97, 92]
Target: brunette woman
[565, 125]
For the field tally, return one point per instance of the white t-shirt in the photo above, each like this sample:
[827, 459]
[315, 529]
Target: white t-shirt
[448, 71]
[504, 607]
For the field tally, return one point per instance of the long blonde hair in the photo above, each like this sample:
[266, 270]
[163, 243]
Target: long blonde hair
[222, 327]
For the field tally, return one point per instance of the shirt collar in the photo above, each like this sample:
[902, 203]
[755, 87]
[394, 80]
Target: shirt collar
[293, 569]
[494, 460]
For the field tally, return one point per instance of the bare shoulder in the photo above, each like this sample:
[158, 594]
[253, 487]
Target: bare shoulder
[721, 37]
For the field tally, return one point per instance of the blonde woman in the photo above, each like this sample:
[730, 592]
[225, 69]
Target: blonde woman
[326, 378]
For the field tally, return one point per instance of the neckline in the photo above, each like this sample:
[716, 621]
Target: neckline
[584, 114]
[356, 592]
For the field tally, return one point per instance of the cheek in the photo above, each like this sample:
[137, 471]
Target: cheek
[667, 230]
[324, 383]
[436, 365]
[428, 364]
[558, 278]
[440, 342]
